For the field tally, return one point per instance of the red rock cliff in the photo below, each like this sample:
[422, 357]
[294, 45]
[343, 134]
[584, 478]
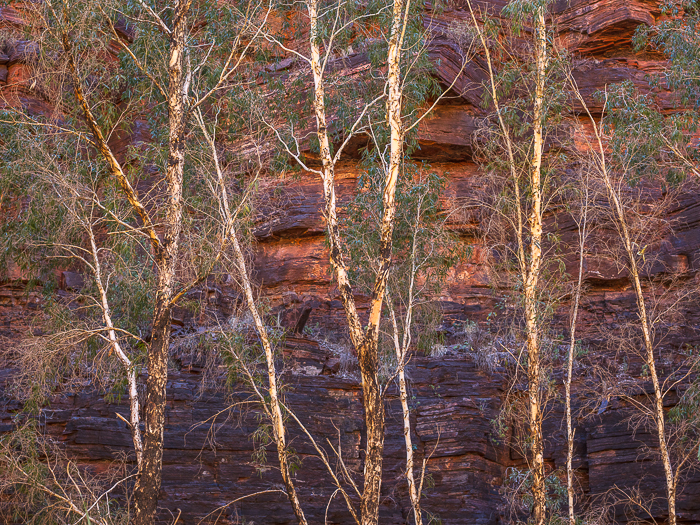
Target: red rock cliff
[210, 464]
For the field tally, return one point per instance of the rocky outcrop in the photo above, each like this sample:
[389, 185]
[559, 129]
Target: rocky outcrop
[212, 459]
[209, 458]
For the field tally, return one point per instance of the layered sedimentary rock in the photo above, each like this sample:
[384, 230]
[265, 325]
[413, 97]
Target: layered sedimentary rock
[212, 458]
[209, 459]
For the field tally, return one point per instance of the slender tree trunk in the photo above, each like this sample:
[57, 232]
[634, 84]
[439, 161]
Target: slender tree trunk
[658, 406]
[413, 490]
[149, 456]
[532, 278]
[366, 346]
[275, 408]
[165, 250]
[148, 483]
[658, 394]
[401, 346]
[364, 341]
[328, 179]
[401, 355]
[129, 368]
[373, 403]
[368, 352]
[567, 387]
[529, 264]
[582, 231]
[277, 417]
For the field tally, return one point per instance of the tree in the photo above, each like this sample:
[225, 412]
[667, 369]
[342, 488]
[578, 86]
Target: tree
[120, 215]
[273, 407]
[621, 159]
[424, 252]
[525, 98]
[405, 37]
[581, 216]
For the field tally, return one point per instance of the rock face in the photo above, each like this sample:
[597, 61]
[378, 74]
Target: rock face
[209, 450]
[209, 460]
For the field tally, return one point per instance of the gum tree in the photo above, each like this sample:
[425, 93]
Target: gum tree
[109, 69]
[525, 96]
[382, 108]
[424, 252]
[623, 157]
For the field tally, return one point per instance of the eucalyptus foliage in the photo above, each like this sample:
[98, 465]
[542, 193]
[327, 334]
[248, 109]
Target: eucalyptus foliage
[354, 37]
[649, 141]
[508, 192]
[55, 188]
[425, 250]
[142, 226]
[662, 139]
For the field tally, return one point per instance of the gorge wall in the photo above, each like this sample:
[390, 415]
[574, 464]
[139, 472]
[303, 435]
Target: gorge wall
[209, 459]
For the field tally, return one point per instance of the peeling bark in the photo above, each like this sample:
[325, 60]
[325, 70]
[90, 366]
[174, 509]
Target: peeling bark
[365, 345]
[529, 263]
[531, 278]
[275, 410]
[165, 251]
[364, 341]
[148, 483]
